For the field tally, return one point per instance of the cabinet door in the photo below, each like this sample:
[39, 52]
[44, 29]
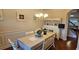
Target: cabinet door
[49, 42]
[3, 42]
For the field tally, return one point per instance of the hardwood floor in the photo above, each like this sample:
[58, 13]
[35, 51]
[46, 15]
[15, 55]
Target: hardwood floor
[10, 48]
[64, 45]
[69, 44]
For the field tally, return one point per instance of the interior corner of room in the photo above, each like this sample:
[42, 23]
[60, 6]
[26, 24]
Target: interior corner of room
[39, 29]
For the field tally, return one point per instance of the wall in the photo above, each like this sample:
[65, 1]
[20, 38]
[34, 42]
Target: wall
[57, 13]
[10, 22]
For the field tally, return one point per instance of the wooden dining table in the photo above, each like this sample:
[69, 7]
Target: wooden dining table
[31, 42]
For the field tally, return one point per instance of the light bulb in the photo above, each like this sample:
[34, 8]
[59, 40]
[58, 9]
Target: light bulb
[37, 15]
[45, 15]
[71, 15]
[41, 14]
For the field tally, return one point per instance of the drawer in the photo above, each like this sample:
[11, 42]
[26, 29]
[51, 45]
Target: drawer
[48, 42]
[38, 46]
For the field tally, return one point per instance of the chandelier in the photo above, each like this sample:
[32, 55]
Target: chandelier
[40, 15]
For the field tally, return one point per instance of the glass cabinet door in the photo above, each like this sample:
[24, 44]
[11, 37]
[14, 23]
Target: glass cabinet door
[73, 21]
[73, 24]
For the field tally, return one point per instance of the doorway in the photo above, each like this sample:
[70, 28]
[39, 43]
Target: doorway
[73, 25]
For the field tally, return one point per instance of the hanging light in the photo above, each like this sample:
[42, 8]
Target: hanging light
[37, 15]
[41, 14]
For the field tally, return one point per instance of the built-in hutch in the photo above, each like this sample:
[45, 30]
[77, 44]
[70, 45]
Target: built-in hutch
[52, 24]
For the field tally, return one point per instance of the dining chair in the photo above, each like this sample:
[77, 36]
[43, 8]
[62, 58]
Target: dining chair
[13, 45]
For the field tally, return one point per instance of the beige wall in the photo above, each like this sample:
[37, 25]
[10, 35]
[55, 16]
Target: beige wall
[57, 13]
[10, 22]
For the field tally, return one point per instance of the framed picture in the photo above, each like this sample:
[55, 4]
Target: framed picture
[1, 14]
[20, 15]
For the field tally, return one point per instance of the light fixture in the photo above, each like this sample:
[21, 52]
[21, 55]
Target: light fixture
[37, 15]
[41, 15]
[71, 15]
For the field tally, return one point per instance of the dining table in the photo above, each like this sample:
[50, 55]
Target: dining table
[32, 42]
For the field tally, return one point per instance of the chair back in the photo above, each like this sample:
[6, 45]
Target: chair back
[12, 44]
